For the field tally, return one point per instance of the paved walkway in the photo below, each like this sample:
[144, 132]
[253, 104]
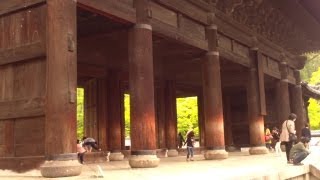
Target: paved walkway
[237, 166]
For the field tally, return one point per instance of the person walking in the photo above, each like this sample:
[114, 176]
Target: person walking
[287, 128]
[190, 145]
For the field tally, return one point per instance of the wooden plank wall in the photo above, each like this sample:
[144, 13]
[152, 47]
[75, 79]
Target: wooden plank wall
[22, 82]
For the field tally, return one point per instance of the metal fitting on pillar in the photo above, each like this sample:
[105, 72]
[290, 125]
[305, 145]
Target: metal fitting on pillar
[143, 26]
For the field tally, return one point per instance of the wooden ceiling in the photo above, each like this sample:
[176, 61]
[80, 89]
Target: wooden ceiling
[103, 45]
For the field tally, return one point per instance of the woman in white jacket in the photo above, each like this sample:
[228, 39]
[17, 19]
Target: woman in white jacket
[288, 127]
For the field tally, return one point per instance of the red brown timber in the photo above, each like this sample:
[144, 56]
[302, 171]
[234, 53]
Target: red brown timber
[256, 121]
[212, 95]
[61, 77]
[171, 115]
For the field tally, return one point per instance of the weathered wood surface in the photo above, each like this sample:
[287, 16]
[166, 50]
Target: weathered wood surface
[29, 136]
[186, 8]
[21, 108]
[22, 29]
[61, 85]
[7, 138]
[87, 70]
[115, 101]
[171, 114]
[90, 109]
[111, 8]
[14, 5]
[261, 77]
[22, 53]
[163, 29]
[102, 114]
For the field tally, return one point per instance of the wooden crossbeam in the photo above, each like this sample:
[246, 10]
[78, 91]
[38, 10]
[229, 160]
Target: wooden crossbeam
[22, 108]
[25, 52]
[112, 9]
[14, 5]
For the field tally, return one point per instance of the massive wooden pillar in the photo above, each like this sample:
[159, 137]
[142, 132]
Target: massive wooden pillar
[212, 95]
[102, 113]
[256, 119]
[141, 81]
[297, 103]
[202, 126]
[171, 118]
[60, 124]
[160, 115]
[282, 94]
[115, 101]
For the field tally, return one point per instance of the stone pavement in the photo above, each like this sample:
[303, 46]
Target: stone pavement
[237, 166]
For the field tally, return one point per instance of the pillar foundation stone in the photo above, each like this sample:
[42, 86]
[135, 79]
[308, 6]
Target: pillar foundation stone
[258, 150]
[116, 156]
[216, 154]
[62, 165]
[144, 161]
[172, 153]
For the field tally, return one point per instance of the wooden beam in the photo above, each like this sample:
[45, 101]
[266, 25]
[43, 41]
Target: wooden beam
[113, 9]
[22, 108]
[22, 53]
[14, 5]
[233, 57]
[87, 70]
[163, 29]
[188, 9]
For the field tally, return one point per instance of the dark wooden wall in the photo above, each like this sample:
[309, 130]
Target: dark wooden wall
[22, 82]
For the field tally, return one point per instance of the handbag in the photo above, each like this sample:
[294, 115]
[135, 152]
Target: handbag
[292, 136]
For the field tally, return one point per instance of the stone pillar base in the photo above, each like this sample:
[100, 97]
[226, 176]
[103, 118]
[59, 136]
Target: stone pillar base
[258, 150]
[215, 154]
[172, 153]
[144, 161]
[116, 156]
[54, 169]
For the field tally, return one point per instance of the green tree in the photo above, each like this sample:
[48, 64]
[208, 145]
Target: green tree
[80, 112]
[127, 115]
[312, 64]
[187, 113]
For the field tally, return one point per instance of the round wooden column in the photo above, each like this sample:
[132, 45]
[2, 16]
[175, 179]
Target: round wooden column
[171, 118]
[143, 136]
[297, 103]
[282, 90]
[256, 120]
[61, 76]
[212, 96]
[115, 101]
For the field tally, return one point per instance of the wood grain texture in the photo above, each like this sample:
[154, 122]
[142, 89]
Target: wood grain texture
[14, 5]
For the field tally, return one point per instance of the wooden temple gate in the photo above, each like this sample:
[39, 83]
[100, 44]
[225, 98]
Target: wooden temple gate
[244, 73]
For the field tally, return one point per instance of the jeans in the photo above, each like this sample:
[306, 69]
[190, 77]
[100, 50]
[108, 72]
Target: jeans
[298, 157]
[190, 151]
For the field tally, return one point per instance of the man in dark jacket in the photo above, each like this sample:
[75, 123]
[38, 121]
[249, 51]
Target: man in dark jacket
[299, 152]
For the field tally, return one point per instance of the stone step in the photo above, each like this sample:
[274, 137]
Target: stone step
[95, 157]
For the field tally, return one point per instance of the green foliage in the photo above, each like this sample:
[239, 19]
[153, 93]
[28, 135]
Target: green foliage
[315, 79]
[312, 65]
[187, 112]
[127, 115]
[311, 74]
[314, 114]
[80, 112]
